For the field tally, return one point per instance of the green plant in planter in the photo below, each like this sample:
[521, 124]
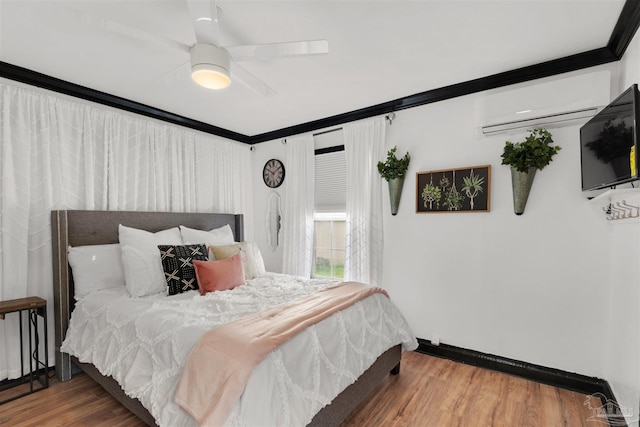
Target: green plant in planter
[444, 182]
[394, 167]
[453, 199]
[430, 194]
[393, 170]
[472, 186]
[534, 152]
[525, 158]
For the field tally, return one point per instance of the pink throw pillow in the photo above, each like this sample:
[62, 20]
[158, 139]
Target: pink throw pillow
[219, 275]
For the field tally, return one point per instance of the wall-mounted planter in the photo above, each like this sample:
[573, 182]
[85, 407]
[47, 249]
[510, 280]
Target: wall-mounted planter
[393, 170]
[521, 183]
[395, 192]
[525, 158]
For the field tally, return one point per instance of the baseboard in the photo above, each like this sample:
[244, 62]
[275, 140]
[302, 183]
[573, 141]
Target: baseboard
[542, 374]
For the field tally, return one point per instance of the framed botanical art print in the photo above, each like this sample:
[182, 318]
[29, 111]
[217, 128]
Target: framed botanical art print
[454, 190]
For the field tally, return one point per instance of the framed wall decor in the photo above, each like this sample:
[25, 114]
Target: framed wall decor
[454, 190]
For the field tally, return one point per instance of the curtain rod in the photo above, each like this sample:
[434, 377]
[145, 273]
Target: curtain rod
[327, 131]
[391, 117]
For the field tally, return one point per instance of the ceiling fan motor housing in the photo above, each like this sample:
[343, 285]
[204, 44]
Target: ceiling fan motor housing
[210, 66]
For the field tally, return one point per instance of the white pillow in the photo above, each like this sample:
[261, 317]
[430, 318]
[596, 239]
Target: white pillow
[216, 237]
[252, 262]
[141, 258]
[260, 268]
[95, 267]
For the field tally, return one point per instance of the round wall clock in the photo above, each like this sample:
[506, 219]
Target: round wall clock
[273, 173]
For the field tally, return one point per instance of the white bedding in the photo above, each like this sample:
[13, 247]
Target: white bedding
[143, 344]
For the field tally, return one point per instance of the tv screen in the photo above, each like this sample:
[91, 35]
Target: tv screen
[609, 143]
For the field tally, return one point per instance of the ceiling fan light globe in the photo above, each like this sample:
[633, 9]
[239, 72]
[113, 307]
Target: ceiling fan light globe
[210, 66]
[210, 76]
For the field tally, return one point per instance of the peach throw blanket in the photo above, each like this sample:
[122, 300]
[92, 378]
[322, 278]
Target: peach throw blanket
[219, 365]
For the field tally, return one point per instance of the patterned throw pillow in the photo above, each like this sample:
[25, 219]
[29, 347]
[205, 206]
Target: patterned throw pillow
[177, 263]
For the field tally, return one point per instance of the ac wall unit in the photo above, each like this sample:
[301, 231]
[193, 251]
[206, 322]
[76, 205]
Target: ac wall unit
[549, 104]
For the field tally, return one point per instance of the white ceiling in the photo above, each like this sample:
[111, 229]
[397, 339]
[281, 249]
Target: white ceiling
[378, 51]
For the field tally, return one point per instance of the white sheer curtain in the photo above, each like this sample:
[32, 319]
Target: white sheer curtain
[297, 207]
[60, 154]
[364, 146]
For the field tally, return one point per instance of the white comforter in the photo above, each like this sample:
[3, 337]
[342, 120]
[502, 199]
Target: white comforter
[143, 344]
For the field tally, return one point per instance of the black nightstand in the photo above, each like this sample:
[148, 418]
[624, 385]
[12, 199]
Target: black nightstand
[34, 307]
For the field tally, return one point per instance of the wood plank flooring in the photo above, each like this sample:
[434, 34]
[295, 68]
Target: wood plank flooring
[437, 392]
[428, 392]
[76, 403]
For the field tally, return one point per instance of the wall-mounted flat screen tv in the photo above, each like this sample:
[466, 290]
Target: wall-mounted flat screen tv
[609, 143]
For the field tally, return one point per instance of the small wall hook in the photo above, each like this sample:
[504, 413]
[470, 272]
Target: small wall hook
[631, 209]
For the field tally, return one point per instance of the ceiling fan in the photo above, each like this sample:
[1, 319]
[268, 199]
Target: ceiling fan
[211, 63]
[214, 66]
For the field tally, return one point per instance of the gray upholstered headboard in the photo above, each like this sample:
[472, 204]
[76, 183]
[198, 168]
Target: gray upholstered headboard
[79, 228]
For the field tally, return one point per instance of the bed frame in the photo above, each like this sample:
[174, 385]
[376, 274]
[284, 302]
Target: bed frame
[79, 228]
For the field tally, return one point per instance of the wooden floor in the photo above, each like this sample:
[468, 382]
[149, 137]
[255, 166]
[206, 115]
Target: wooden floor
[437, 392]
[428, 392]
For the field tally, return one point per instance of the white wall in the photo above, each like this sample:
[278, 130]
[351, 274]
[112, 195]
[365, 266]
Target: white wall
[534, 287]
[527, 287]
[622, 351]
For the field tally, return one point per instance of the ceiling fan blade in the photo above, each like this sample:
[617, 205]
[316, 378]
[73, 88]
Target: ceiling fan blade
[241, 75]
[78, 16]
[136, 33]
[180, 73]
[204, 17]
[278, 50]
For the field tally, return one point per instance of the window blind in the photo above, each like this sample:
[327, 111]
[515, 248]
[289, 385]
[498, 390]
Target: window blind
[331, 183]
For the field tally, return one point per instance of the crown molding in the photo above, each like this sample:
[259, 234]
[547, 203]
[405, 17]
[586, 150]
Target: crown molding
[622, 34]
[532, 72]
[625, 29]
[33, 78]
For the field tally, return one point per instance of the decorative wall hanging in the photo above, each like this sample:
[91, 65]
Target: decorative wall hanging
[273, 221]
[454, 190]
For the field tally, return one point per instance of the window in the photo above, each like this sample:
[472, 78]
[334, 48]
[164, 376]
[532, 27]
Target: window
[328, 248]
[329, 207]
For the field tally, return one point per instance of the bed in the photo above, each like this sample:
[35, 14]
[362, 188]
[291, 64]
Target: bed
[79, 228]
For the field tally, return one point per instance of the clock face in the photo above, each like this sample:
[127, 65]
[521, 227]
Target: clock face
[273, 173]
